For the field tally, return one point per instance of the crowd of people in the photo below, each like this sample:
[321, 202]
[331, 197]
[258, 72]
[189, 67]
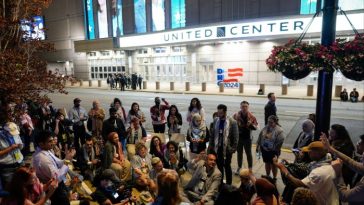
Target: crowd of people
[125, 81]
[81, 155]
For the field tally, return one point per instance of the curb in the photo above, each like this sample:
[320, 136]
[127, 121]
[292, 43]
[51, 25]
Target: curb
[202, 93]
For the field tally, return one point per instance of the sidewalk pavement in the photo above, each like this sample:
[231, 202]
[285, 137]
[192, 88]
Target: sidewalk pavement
[293, 92]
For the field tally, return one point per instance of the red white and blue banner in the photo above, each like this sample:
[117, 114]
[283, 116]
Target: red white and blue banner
[230, 76]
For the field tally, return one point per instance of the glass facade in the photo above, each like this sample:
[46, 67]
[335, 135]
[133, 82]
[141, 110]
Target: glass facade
[158, 16]
[90, 24]
[309, 6]
[178, 13]
[140, 16]
[117, 17]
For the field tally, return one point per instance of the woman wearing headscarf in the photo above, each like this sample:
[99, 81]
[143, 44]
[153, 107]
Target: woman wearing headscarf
[306, 136]
[197, 135]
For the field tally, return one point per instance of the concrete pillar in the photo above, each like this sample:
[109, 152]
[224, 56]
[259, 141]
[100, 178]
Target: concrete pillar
[81, 83]
[221, 87]
[188, 86]
[90, 83]
[171, 85]
[157, 85]
[99, 83]
[203, 87]
[309, 90]
[262, 86]
[145, 85]
[241, 87]
[284, 89]
[338, 90]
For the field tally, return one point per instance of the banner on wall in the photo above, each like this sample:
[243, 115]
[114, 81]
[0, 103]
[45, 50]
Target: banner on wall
[230, 76]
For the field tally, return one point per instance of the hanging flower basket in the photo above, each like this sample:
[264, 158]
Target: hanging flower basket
[295, 60]
[295, 74]
[349, 57]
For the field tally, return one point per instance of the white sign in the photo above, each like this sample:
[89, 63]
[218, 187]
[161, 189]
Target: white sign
[260, 29]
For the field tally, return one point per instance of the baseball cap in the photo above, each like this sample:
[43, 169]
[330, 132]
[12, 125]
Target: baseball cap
[316, 145]
[12, 128]
[304, 149]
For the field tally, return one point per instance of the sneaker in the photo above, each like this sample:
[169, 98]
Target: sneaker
[237, 171]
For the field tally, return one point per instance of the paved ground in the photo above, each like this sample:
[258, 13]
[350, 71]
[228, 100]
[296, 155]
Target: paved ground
[292, 111]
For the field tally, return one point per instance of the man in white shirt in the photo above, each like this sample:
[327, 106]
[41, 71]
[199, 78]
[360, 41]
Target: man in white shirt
[321, 178]
[48, 166]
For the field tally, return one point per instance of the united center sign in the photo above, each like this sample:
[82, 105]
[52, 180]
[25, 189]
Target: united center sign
[254, 29]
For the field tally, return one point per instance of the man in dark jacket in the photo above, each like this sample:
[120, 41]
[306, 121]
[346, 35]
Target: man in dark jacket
[270, 108]
[113, 124]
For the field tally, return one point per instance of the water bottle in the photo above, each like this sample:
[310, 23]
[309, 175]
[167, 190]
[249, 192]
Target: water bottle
[258, 155]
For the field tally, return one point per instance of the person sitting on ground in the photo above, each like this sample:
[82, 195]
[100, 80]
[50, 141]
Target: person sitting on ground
[344, 95]
[110, 190]
[144, 189]
[303, 196]
[25, 188]
[61, 127]
[157, 165]
[88, 159]
[134, 134]
[206, 178]
[246, 188]
[306, 136]
[265, 193]
[171, 155]
[168, 189]
[229, 194]
[113, 158]
[354, 95]
[142, 160]
[157, 148]
[47, 166]
[354, 195]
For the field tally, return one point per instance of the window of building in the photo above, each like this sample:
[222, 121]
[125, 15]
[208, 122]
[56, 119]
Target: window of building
[310, 6]
[91, 54]
[104, 53]
[140, 16]
[178, 13]
[160, 50]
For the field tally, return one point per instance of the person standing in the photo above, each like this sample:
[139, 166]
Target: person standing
[246, 123]
[269, 144]
[157, 113]
[11, 157]
[224, 141]
[174, 121]
[48, 167]
[140, 80]
[195, 108]
[122, 80]
[270, 108]
[97, 115]
[114, 124]
[197, 135]
[78, 115]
